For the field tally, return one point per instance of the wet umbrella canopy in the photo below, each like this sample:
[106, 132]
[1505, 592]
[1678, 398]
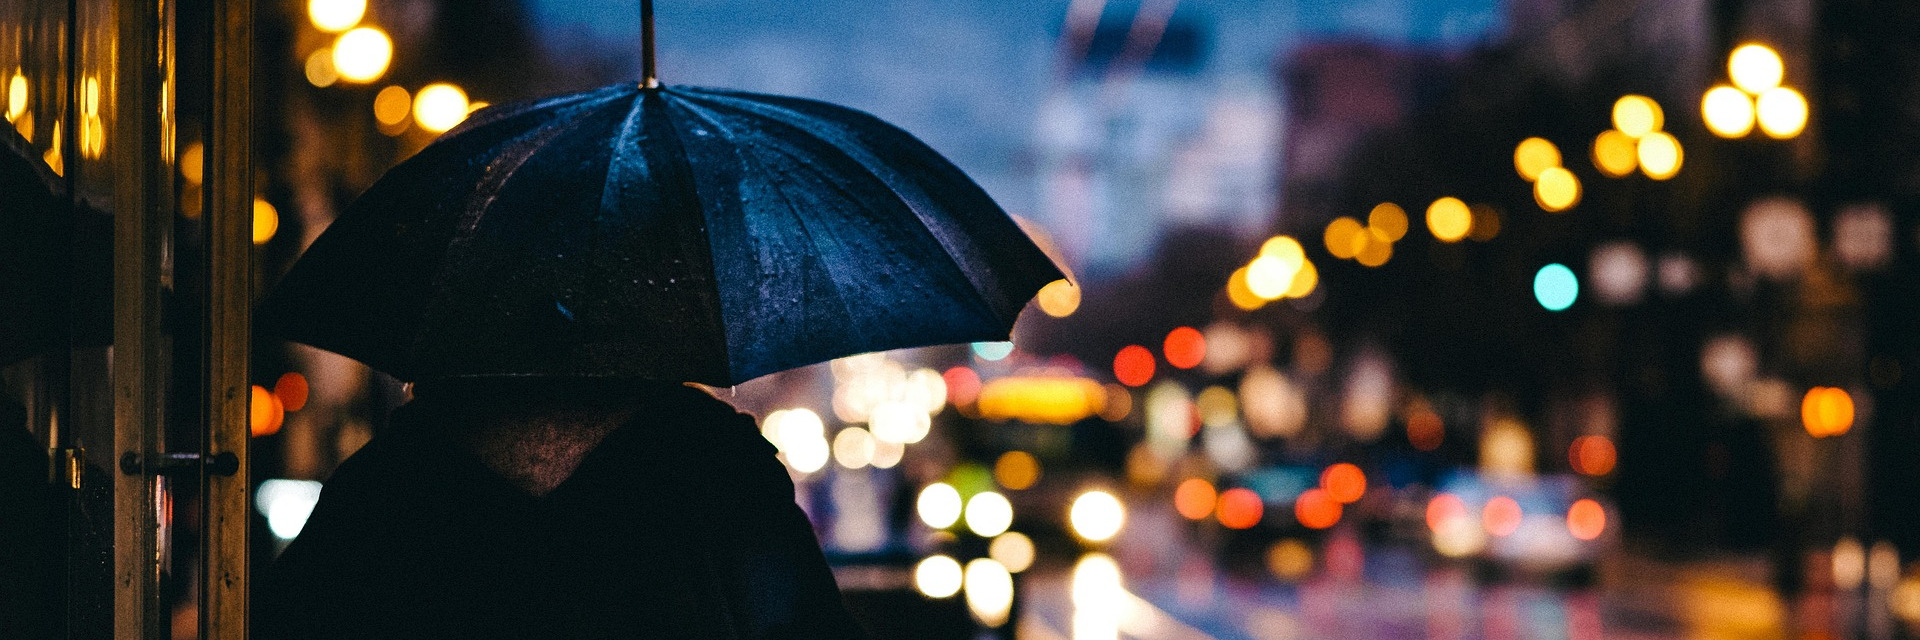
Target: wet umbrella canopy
[668, 233]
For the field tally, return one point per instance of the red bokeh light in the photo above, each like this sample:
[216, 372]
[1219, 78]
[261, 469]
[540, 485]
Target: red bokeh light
[1194, 499]
[1316, 509]
[1240, 508]
[963, 386]
[1586, 519]
[1185, 348]
[292, 390]
[1133, 366]
[1592, 455]
[1501, 515]
[1442, 508]
[1344, 482]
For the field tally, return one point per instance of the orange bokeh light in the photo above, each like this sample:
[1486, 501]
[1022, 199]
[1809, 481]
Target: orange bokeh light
[1586, 519]
[1344, 482]
[1827, 411]
[1316, 509]
[1442, 508]
[1501, 515]
[1185, 348]
[264, 412]
[1133, 366]
[963, 386]
[1425, 431]
[1195, 499]
[1592, 455]
[1240, 508]
[292, 390]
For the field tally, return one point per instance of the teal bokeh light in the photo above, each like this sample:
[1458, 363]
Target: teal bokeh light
[992, 351]
[1555, 287]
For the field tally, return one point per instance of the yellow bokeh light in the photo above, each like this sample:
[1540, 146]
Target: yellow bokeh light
[1556, 190]
[1389, 219]
[1097, 516]
[1238, 292]
[266, 221]
[1534, 155]
[1826, 411]
[1059, 298]
[1285, 249]
[16, 96]
[320, 71]
[334, 16]
[362, 55]
[193, 163]
[1017, 470]
[1269, 277]
[1449, 219]
[439, 107]
[391, 106]
[1340, 237]
[1614, 154]
[1304, 281]
[939, 505]
[1637, 115]
[938, 577]
[1660, 155]
[1782, 112]
[989, 587]
[1012, 549]
[1377, 251]
[988, 514]
[1728, 112]
[1755, 68]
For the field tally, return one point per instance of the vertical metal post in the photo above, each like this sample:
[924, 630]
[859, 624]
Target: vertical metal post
[229, 194]
[139, 116]
[651, 76]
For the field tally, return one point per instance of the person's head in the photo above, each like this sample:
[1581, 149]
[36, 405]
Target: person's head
[509, 398]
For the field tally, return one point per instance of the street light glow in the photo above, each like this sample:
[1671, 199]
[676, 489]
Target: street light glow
[439, 107]
[1755, 68]
[334, 16]
[362, 55]
[1782, 112]
[1728, 112]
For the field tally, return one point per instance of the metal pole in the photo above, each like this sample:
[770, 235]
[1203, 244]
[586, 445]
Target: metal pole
[652, 79]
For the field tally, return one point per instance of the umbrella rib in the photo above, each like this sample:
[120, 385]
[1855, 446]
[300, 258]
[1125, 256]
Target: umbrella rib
[705, 115]
[979, 300]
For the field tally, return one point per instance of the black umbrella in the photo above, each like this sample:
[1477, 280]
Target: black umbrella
[42, 266]
[670, 233]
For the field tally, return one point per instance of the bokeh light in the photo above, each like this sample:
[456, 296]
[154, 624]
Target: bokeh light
[362, 55]
[1555, 287]
[1012, 549]
[1059, 298]
[1556, 190]
[988, 514]
[1344, 482]
[1194, 499]
[392, 105]
[1240, 294]
[319, 68]
[1185, 347]
[1133, 366]
[1586, 519]
[1755, 68]
[1826, 411]
[1782, 112]
[963, 386]
[989, 587]
[1728, 112]
[16, 96]
[1269, 277]
[939, 505]
[334, 16]
[1637, 115]
[264, 412]
[439, 107]
[993, 351]
[1389, 219]
[266, 221]
[1486, 223]
[1533, 156]
[1316, 510]
[1592, 455]
[1501, 516]
[1378, 249]
[1304, 282]
[938, 576]
[1615, 154]
[287, 504]
[1660, 155]
[1239, 508]
[1425, 430]
[1097, 516]
[853, 447]
[1341, 237]
[1443, 508]
[1449, 219]
[1016, 470]
[292, 390]
[1290, 559]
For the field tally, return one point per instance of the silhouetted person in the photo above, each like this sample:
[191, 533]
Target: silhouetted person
[556, 508]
